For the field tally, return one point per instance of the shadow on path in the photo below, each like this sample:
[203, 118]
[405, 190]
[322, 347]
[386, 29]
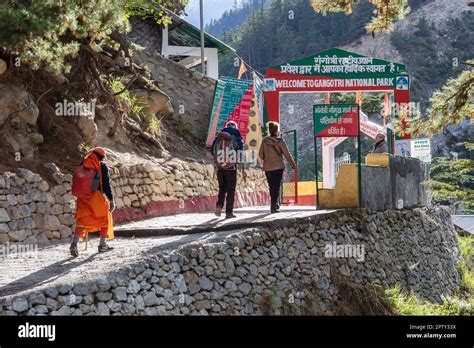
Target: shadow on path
[42, 276]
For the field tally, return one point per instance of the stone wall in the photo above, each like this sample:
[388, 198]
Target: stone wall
[33, 211]
[403, 184]
[173, 187]
[192, 92]
[258, 270]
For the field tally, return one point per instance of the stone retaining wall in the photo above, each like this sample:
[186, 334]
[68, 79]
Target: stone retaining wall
[258, 270]
[35, 212]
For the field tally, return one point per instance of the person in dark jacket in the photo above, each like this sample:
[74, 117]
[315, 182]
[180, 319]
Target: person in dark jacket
[94, 214]
[227, 178]
[272, 151]
[380, 144]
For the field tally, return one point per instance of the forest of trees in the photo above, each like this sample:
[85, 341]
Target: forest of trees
[285, 30]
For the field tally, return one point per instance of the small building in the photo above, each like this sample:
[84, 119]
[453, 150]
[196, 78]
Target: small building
[179, 41]
[464, 224]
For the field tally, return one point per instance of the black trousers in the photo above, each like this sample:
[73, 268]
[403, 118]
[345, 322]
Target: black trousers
[227, 181]
[274, 181]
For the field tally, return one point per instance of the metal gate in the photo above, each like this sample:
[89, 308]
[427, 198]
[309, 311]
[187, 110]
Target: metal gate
[289, 186]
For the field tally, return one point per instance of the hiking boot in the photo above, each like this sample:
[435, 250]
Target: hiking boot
[74, 251]
[218, 211]
[230, 216]
[275, 209]
[104, 247]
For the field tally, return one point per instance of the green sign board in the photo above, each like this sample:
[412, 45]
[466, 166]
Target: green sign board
[336, 120]
[339, 63]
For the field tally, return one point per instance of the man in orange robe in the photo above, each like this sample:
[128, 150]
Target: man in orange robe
[95, 213]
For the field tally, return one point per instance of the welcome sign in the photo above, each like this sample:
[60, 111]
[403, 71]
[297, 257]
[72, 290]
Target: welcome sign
[336, 120]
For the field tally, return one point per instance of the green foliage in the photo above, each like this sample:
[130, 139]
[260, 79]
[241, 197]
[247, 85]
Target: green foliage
[156, 9]
[43, 34]
[453, 181]
[128, 99]
[286, 30]
[386, 12]
[48, 33]
[407, 303]
[437, 67]
[231, 19]
[466, 268]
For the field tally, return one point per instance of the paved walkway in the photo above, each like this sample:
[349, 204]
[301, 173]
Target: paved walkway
[197, 223]
[52, 266]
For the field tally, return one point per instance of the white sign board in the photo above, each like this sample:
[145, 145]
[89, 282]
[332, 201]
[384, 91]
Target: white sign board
[403, 148]
[421, 149]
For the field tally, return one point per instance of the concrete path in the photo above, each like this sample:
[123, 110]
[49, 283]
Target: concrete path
[198, 223]
[52, 266]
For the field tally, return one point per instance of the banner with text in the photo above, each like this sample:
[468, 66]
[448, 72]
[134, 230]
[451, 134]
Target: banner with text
[336, 120]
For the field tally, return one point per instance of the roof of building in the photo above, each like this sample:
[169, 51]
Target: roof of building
[183, 33]
[465, 222]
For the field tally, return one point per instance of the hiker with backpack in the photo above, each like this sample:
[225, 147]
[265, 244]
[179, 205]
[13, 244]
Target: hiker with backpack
[95, 200]
[226, 149]
[272, 151]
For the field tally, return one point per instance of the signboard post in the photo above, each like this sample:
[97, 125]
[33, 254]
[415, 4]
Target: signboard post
[337, 120]
[421, 149]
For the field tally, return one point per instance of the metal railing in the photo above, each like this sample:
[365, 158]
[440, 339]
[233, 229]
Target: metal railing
[344, 159]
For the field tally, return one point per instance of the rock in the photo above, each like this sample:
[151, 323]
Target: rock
[81, 289]
[120, 294]
[274, 251]
[102, 309]
[150, 299]
[4, 228]
[230, 285]
[43, 186]
[18, 236]
[3, 66]
[205, 283]
[203, 304]
[25, 174]
[52, 304]
[4, 215]
[88, 129]
[51, 292]
[139, 302]
[229, 265]
[52, 167]
[64, 310]
[65, 289]
[191, 277]
[37, 298]
[103, 284]
[41, 309]
[180, 284]
[155, 101]
[133, 287]
[245, 288]
[51, 223]
[103, 296]
[14, 212]
[322, 283]
[20, 305]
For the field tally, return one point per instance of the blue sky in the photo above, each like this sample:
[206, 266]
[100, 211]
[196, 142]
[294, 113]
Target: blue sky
[213, 9]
